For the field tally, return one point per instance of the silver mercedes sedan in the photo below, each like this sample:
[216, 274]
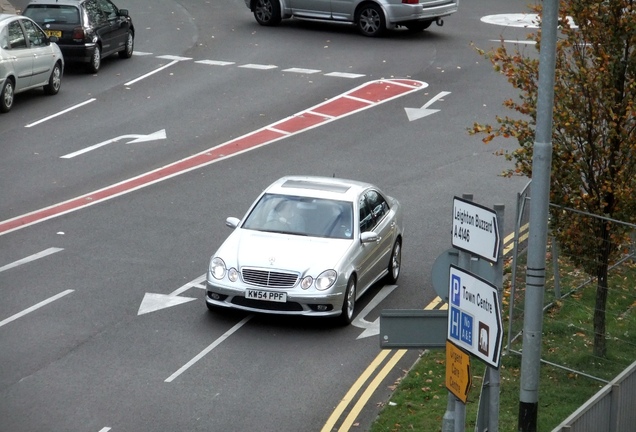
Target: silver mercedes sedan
[308, 246]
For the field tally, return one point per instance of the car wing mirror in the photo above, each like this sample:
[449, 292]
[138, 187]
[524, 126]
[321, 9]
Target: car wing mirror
[232, 222]
[123, 12]
[369, 237]
[54, 39]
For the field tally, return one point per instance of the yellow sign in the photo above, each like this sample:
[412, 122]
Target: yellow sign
[458, 378]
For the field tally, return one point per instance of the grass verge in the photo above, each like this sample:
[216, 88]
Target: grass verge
[420, 397]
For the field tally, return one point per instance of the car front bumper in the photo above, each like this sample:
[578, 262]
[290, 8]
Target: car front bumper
[298, 302]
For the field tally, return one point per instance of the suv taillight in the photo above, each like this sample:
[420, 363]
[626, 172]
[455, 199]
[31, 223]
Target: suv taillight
[78, 33]
[410, 1]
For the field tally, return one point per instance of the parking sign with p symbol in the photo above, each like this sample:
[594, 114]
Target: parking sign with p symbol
[456, 284]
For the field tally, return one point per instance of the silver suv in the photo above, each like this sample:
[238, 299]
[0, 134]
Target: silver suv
[371, 17]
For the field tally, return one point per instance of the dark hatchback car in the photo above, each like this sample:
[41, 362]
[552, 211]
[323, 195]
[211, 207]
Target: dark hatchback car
[87, 30]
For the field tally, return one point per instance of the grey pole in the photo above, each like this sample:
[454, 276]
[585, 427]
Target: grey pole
[494, 377]
[450, 418]
[537, 240]
[448, 421]
[464, 262]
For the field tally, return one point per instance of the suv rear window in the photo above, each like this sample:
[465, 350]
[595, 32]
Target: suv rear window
[53, 14]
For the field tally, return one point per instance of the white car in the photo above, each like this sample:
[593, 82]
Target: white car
[308, 246]
[371, 17]
[28, 59]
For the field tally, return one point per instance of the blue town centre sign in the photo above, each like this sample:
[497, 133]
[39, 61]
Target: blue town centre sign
[474, 317]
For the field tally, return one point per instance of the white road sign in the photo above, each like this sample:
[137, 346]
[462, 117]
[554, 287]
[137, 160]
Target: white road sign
[475, 229]
[474, 317]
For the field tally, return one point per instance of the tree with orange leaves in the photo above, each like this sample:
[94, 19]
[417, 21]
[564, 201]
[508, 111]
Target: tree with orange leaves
[593, 137]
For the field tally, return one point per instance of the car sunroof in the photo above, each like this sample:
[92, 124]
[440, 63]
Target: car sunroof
[303, 184]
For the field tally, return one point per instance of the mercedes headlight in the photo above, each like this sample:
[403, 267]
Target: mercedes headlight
[326, 280]
[217, 268]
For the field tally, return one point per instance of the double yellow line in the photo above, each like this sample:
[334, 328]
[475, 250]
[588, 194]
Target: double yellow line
[395, 357]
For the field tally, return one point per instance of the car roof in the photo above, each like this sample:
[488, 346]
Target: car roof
[7, 17]
[4, 17]
[319, 187]
[55, 2]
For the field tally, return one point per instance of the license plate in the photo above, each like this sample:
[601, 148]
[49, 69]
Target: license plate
[56, 33]
[273, 296]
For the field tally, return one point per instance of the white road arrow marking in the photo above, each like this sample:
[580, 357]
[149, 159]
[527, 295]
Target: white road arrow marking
[159, 135]
[154, 302]
[136, 138]
[418, 113]
[372, 328]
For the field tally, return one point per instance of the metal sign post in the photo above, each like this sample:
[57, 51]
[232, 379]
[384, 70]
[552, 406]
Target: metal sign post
[473, 295]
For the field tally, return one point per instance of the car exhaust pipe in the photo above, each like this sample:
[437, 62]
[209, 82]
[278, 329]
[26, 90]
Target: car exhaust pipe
[439, 21]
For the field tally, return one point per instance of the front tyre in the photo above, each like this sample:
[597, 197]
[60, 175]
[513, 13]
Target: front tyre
[55, 80]
[370, 20]
[127, 52]
[395, 263]
[349, 303]
[267, 12]
[6, 97]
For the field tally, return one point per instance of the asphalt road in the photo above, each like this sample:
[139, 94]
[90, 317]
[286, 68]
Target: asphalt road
[76, 354]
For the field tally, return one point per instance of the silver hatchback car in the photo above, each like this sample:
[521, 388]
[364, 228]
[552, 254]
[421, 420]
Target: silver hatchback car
[28, 59]
[371, 17]
[308, 246]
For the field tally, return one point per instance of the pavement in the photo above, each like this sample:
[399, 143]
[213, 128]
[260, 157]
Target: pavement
[6, 7]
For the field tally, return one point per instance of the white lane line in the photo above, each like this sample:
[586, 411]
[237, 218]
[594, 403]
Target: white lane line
[33, 257]
[258, 66]
[151, 73]
[35, 307]
[343, 75]
[215, 62]
[280, 131]
[173, 57]
[366, 101]
[106, 429]
[209, 348]
[195, 283]
[320, 114]
[302, 71]
[60, 113]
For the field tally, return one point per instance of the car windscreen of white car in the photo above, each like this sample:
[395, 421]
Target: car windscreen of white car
[288, 214]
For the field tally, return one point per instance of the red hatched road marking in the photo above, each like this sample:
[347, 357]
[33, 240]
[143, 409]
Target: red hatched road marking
[360, 98]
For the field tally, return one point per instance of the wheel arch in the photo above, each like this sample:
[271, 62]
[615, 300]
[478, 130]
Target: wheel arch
[11, 78]
[283, 9]
[353, 274]
[359, 7]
